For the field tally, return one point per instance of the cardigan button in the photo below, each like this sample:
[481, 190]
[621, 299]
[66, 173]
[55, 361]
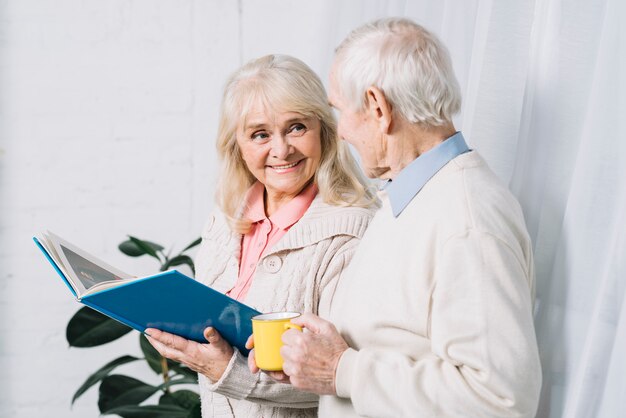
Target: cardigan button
[272, 264]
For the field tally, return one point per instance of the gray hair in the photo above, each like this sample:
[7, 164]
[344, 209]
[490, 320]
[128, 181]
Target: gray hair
[407, 62]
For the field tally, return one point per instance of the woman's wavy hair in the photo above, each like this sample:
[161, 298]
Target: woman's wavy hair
[282, 83]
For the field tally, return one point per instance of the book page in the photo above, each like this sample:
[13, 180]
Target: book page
[84, 270]
[47, 245]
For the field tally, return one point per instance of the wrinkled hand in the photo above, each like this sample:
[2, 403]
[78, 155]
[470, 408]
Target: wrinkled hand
[311, 358]
[210, 359]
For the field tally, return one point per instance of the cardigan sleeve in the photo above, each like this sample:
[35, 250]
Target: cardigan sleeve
[239, 383]
[483, 360]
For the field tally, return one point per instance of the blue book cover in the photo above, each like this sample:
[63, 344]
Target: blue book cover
[169, 301]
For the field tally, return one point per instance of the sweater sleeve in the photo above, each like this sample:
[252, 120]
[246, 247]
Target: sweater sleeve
[239, 383]
[483, 360]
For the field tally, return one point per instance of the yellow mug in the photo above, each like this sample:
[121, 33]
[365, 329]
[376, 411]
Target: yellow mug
[267, 330]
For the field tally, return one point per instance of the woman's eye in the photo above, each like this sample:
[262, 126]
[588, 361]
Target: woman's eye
[297, 128]
[260, 136]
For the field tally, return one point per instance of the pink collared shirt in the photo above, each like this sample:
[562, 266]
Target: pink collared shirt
[265, 232]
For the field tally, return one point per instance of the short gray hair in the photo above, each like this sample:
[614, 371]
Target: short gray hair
[407, 62]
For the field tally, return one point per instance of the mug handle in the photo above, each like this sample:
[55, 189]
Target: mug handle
[289, 325]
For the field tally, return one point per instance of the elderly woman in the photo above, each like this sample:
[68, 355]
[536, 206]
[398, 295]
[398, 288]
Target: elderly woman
[292, 209]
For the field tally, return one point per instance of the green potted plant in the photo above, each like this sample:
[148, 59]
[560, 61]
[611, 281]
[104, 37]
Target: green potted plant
[124, 395]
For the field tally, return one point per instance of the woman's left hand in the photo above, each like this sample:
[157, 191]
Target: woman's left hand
[210, 359]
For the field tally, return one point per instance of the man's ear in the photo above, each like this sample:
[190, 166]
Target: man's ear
[379, 108]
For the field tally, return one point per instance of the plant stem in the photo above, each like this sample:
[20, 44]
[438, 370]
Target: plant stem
[166, 374]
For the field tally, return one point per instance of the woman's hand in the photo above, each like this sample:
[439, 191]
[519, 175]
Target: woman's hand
[278, 376]
[210, 359]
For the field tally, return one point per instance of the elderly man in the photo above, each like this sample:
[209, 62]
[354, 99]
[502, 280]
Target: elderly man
[433, 318]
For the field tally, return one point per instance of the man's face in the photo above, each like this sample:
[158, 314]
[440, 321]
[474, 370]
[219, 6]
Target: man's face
[360, 130]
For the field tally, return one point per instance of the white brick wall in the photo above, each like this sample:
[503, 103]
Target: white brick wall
[108, 111]
[107, 117]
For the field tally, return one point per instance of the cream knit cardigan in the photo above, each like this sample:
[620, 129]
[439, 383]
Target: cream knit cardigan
[293, 276]
[437, 306]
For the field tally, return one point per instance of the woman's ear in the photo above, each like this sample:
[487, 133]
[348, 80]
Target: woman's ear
[379, 108]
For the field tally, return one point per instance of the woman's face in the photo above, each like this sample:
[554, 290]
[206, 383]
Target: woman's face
[281, 149]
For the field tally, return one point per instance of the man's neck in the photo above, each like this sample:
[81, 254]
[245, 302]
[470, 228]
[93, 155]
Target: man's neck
[410, 141]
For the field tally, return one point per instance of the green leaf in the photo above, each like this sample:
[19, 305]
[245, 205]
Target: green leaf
[146, 247]
[177, 261]
[89, 328]
[130, 249]
[118, 390]
[151, 354]
[101, 374]
[153, 357]
[184, 398]
[193, 244]
[167, 399]
[184, 371]
[153, 411]
[181, 381]
[195, 411]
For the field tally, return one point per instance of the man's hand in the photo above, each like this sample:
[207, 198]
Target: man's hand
[210, 359]
[311, 358]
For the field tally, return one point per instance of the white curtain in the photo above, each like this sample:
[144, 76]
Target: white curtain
[557, 109]
[543, 103]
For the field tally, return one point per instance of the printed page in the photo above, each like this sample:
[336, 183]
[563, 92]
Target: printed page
[84, 270]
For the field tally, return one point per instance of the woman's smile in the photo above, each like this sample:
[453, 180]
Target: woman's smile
[286, 168]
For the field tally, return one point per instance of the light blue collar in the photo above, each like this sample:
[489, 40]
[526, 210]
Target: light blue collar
[414, 176]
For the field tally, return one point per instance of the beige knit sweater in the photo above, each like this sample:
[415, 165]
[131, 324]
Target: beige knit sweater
[293, 276]
[437, 306]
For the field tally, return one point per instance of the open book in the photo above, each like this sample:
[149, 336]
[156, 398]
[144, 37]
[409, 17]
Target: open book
[169, 301]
